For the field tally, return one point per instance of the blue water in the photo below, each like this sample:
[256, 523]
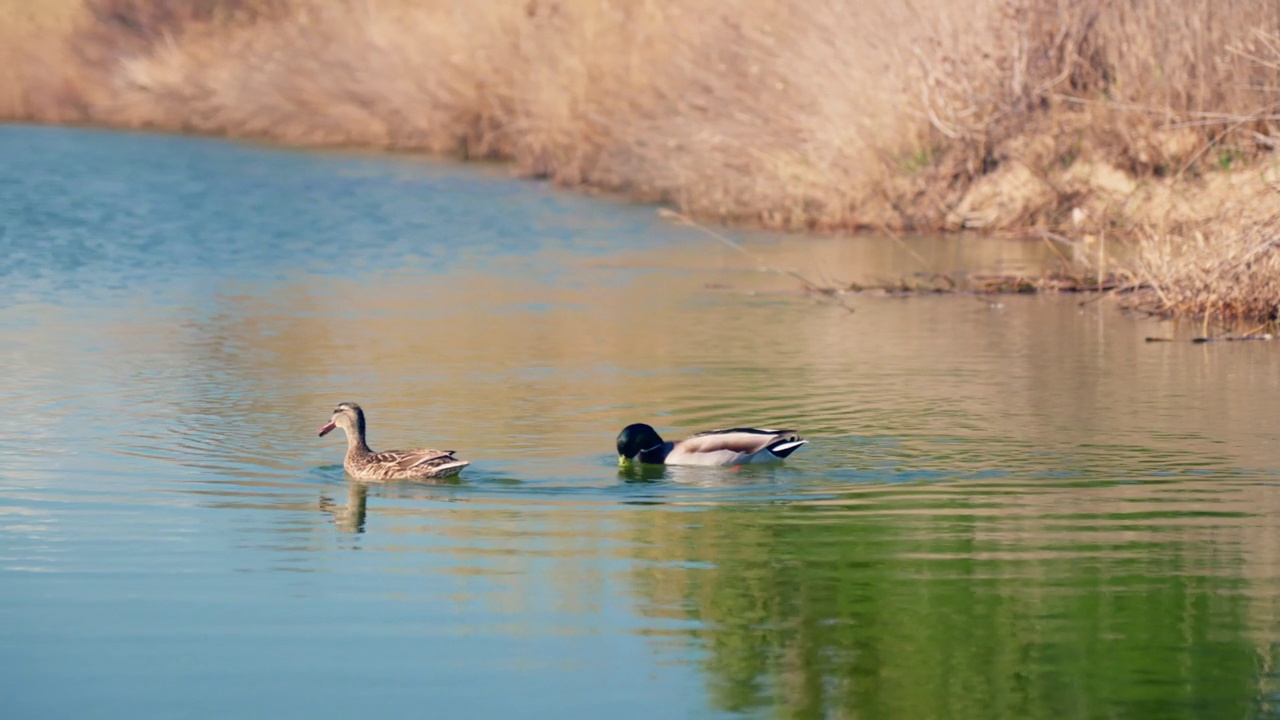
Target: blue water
[1012, 508]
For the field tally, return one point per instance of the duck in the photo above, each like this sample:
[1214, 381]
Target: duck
[364, 464]
[734, 446]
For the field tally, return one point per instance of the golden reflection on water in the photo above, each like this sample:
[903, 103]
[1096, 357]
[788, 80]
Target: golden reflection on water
[511, 367]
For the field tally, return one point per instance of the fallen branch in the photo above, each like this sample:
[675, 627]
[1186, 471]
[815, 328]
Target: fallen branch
[935, 283]
[1222, 338]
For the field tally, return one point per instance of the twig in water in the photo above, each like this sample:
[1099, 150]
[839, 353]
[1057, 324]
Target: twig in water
[761, 265]
[1049, 238]
[901, 243]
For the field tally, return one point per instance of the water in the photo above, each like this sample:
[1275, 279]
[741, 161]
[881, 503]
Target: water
[1007, 509]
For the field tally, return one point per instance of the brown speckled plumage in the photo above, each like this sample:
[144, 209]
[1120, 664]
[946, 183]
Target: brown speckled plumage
[364, 464]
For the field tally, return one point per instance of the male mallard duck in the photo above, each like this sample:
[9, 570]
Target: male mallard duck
[365, 464]
[736, 446]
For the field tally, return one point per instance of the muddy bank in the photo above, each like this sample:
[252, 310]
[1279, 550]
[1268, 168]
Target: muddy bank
[1010, 117]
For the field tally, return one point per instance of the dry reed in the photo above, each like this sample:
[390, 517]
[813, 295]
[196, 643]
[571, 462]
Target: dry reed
[1231, 275]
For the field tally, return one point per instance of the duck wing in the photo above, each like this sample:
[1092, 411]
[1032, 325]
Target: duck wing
[747, 441]
[410, 459]
[734, 446]
[418, 462]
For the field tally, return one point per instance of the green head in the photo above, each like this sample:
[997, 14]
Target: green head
[636, 438]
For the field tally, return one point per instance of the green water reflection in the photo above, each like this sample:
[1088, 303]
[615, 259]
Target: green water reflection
[909, 606]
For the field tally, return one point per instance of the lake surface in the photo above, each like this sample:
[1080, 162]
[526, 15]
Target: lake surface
[1012, 509]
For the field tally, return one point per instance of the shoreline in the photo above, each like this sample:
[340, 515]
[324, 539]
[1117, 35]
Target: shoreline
[1131, 295]
[643, 105]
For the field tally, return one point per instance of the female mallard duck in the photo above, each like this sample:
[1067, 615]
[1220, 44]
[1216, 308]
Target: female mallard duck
[736, 446]
[365, 464]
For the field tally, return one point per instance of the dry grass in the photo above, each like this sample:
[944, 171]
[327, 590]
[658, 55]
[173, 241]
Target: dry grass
[743, 111]
[1082, 117]
[36, 64]
[1231, 275]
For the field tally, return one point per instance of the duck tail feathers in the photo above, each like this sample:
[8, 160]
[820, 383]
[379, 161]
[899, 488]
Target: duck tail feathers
[785, 448]
[450, 468]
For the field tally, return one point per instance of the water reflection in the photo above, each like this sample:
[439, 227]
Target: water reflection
[1004, 510]
[971, 601]
[348, 518]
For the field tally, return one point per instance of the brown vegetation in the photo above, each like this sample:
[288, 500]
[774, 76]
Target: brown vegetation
[1087, 118]
[1235, 275]
[36, 64]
